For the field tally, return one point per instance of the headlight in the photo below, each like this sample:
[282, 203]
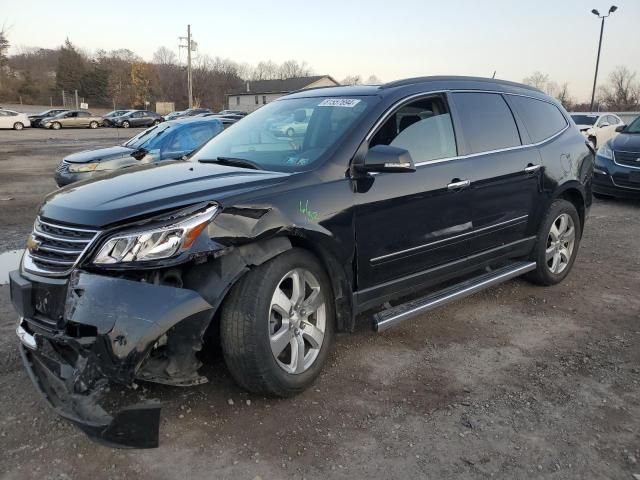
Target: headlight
[155, 244]
[605, 151]
[82, 167]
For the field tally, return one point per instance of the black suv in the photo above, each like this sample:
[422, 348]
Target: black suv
[272, 244]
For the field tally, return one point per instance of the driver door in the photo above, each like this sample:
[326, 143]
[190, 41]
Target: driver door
[410, 222]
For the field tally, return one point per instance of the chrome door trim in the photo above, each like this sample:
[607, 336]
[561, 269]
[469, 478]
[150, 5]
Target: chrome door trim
[514, 221]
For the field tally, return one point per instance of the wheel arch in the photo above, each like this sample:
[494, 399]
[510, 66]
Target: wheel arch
[574, 193]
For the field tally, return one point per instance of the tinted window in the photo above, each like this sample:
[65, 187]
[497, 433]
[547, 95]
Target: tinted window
[541, 119]
[487, 122]
[84, 114]
[423, 128]
[584, 119]
[612, 120]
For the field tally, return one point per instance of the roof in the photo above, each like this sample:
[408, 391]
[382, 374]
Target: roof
[279, 86]
[422, 84]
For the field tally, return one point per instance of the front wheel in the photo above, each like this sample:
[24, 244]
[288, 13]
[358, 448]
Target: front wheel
[93, 125]
[18, 126]
[56, 126]
[126, 124]
[557, 244]
[290, 132]
[277, 325]
[156, 122]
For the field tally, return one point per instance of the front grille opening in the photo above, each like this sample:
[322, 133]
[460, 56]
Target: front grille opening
[79, 330]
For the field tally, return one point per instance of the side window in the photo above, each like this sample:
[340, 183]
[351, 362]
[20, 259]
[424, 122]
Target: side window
[72, 114]
[487, 122]
[612, 120]
[423, 128]
[84, 114]
[541, 119]
[3, 114]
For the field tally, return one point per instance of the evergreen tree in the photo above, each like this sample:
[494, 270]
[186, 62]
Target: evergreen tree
[70, 68]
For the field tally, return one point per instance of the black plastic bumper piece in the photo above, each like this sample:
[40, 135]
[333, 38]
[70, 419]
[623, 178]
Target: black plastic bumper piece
[136, 426]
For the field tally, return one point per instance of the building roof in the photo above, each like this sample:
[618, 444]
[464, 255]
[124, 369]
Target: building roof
[255, 87]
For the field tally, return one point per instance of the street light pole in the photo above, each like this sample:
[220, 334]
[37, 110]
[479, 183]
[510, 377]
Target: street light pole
[612, 9]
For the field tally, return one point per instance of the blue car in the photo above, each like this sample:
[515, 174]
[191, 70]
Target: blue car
[167, 141]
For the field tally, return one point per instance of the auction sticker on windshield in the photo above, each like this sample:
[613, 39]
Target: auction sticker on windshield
[339, 102]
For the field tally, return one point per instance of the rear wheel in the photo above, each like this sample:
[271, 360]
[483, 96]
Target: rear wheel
[18, 126]
[290, 132]
[557, 244]
[277, 325]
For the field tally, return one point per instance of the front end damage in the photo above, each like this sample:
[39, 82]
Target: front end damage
[108, 331]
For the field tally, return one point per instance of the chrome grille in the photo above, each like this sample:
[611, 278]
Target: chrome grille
[628, 159]
[54, 249]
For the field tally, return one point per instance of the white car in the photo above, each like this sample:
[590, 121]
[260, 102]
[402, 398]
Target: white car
[597, 127]
[15, 120]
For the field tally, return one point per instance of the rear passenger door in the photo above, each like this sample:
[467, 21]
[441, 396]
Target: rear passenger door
[505, 175]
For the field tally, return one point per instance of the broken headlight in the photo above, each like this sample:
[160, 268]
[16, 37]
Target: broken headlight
[155, 244]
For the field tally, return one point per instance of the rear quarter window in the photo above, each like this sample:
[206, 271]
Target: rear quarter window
[487, 122]
[541, 119]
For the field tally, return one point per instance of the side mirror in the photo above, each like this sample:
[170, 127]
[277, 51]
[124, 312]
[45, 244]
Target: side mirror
[385, 158]
[604, 124]
[621, 128]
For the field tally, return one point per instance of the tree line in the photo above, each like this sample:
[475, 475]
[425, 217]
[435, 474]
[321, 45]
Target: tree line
[122, 79]
[620, 93]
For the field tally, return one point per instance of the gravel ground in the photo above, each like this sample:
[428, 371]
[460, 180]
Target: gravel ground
[516, 382]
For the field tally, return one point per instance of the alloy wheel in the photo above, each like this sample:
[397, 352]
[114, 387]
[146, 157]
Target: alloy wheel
[560, 243]
[297, 321]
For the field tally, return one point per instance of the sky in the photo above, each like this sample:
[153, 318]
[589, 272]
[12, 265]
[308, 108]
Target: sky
[391, 39]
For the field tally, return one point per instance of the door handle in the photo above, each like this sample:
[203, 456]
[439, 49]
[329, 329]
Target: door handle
[458, 184]
[532, 168]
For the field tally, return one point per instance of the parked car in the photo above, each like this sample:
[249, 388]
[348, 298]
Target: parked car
[14, 120]
[37, 119]
[617, 165]
[433, 187]
[173, 115]
[597, 127]
[192, 112]
[106, 119]
[167, 141]
[294, 125]
[72, 119]
[226, 121]
[136, 118]
[233, 112]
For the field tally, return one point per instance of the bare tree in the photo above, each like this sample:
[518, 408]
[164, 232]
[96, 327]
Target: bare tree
[622, 92]
[352, 80]
[563, 96]
[164, 56]
[537, 80]
[293, 69]
[266, 71]
[373, 80]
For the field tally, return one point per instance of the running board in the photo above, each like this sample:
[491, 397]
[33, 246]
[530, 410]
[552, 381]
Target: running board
[394, 315]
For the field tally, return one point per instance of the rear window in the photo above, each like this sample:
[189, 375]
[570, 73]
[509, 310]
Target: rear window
[541, 119]
[487, 122]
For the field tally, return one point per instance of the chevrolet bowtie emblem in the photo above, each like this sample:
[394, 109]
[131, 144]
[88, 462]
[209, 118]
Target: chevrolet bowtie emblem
[33, 244]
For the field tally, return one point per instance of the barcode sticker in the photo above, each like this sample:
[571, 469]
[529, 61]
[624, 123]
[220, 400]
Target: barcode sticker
[339, 102]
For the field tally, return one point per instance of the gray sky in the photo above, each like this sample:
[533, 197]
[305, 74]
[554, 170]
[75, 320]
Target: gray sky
[392, 39]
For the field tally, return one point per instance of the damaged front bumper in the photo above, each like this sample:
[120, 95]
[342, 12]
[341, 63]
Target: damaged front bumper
[83, 334]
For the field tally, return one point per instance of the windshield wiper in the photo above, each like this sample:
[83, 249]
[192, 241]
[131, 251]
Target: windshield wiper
[234, 162]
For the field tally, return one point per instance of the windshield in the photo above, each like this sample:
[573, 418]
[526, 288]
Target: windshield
[584, 119]
[287, 135]
[149, 138]
[634, 127]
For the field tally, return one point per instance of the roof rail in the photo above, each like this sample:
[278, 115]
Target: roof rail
[418, 80]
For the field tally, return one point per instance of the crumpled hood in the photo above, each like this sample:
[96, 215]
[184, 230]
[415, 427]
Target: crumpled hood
[627, 142]
[108, 153]
[142, 191]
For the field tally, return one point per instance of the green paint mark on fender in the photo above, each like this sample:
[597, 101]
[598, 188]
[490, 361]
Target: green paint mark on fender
[309, 214]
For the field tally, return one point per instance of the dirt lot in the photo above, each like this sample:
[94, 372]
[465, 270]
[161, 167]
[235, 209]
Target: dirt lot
[516, 382]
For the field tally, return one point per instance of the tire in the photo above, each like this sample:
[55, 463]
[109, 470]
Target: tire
[18, 126]
[594, 141]
[156, 122]
[555, 254]
[56, 126]
[290, 132]
[93, 125]
[251, 325]
[125, 124]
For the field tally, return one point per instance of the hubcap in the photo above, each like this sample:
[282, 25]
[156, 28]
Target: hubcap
[560, 243]
[297, 321]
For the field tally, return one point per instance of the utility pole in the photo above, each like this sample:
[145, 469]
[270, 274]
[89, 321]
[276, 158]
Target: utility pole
[595, 77]
[189, 46]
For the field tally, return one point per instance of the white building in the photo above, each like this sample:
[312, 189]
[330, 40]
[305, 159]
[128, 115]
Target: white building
[260, 92]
